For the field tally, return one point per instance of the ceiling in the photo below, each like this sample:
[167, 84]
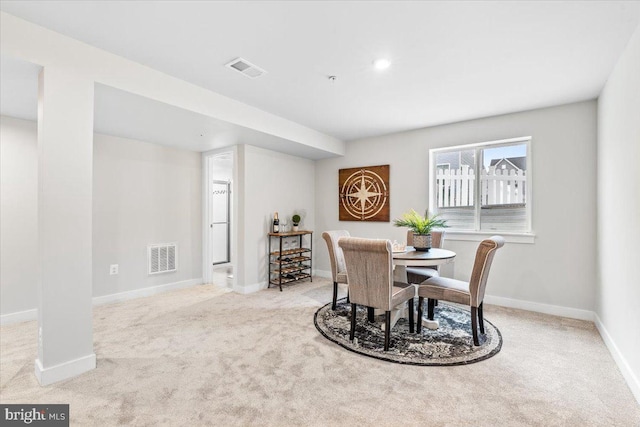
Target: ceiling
[19, 88]
[127, 115]
[451, 61]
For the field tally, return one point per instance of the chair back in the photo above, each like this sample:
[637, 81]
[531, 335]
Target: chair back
[437, 238]
[484, 258]
[369, 271]
[335, 252]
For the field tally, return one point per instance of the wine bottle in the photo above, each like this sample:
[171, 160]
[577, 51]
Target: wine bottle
[276, 223]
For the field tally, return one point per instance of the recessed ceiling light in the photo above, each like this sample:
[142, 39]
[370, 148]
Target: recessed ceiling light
[381, 64]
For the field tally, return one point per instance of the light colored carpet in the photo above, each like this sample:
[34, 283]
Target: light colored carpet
[204, 356]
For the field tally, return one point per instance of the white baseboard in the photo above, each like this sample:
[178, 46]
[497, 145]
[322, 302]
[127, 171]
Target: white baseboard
[23, 316]
[623, 365]
[65, 370]
[18, 317]
[145, 292]
[556, 310]
[249, 289]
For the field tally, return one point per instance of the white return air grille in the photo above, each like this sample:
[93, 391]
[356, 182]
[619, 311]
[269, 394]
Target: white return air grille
[245, 68]
[163, 258]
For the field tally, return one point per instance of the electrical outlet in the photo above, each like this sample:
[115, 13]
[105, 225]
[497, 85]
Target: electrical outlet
[113, 269]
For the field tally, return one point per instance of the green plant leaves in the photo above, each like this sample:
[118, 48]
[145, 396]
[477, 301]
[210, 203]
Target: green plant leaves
[420, 224]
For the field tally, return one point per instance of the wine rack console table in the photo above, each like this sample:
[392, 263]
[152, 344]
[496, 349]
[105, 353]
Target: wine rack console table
[290, 265]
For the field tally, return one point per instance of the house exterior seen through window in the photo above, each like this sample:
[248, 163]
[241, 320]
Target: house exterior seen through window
[483, 187]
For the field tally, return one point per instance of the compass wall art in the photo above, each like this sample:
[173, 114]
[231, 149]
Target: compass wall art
[364, 193]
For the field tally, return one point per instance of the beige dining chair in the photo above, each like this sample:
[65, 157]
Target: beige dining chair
[338, 269]
[468, 293]
[369, 265]
[420, 274]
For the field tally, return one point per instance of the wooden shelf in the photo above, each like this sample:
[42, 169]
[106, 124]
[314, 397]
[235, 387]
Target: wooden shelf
[290, 265]
[291, 233]
[287, 270]
[291, 252]
[291, 260]
[286, 279]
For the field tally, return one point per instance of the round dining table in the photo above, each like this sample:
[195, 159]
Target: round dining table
[413, 258]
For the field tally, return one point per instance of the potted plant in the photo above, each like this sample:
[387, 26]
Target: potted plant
[421, 227]
[296, 221]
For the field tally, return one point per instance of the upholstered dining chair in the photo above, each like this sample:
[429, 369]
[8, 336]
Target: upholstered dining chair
[370, 275]
[338, 269]
[420, 274]
[468, 293]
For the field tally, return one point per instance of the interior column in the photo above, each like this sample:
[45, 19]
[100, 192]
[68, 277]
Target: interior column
[65, 164]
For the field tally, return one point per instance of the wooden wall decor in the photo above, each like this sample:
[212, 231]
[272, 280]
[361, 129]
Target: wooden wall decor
[364, 193]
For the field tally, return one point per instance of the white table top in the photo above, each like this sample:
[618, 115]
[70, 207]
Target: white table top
[434, 256]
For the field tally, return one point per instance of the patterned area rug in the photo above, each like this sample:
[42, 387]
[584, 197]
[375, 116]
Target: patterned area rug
[450, 344]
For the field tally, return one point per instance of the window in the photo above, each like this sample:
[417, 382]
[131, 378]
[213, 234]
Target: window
[486, 187]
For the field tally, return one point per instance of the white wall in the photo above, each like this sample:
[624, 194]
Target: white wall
[272, 182]
[142, 193]
[64, 263]
[18, 215]
[559, 268]
[618, 291]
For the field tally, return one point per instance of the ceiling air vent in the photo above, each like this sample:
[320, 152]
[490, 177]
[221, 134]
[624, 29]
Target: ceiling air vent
[246, 68]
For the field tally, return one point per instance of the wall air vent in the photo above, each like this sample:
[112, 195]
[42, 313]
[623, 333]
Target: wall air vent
[246, 68]
[163, 258]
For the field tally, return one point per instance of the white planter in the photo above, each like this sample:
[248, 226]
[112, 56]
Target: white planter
[422, 242]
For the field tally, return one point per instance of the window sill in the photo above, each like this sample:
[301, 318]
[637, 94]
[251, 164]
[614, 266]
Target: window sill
[478, 236]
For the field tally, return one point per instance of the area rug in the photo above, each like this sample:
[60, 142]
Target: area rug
[450, 344]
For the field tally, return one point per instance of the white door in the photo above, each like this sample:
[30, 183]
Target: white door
[220, 226]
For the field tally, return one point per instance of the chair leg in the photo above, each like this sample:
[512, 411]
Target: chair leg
[335, 295]
[481, 318]
[348, 301]
[353, 322]
[436, 303]
[474, 325]
[410, 304]
[387, 329]
[419, 325]
[430, 308]
[370, 315]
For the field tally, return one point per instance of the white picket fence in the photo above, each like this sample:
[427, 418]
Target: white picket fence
[497, 187]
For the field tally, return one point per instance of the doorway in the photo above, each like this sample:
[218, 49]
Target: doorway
[220, 226]
[218, 218]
